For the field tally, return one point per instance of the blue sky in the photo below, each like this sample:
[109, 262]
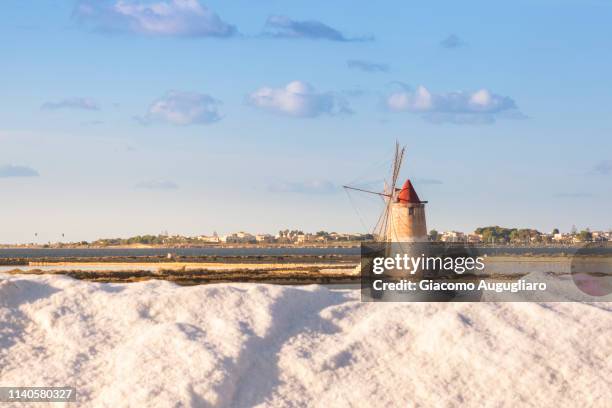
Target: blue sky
[127, 117]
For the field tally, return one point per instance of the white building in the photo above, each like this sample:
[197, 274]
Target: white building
[265, 238]
[302, 238]
[452, 236]
[213, 239]
[239, 238]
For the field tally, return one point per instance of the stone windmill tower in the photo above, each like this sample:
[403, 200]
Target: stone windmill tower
[406, 217]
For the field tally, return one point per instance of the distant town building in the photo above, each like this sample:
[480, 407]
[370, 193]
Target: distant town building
[452, 236]
[601, 236]
[474, 238]
[265, 238]
[239, 238]
[560, 237]
[304, 238]
[211, 239]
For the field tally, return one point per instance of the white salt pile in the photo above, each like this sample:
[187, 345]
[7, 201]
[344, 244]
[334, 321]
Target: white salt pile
[154, 344]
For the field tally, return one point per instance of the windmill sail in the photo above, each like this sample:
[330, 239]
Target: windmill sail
[382, 230]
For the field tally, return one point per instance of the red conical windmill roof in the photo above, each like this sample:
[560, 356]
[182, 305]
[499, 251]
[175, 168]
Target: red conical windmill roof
[407, 194]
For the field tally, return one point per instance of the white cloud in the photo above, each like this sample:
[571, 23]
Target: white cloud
[183, 108]
[71, 103]
[284, 27]
[184, 18]
[418, 101]
[10, 170]
[298, 99]
[157, 185]
[481, 106]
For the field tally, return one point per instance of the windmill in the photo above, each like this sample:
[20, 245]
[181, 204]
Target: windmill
[403, 216]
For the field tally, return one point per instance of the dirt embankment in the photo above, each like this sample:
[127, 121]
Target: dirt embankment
[280, 269]
[292, 275]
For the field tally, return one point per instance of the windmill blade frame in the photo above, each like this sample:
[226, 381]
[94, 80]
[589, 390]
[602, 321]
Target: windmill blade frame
[389, 194]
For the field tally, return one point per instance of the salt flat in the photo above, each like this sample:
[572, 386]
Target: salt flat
[155, 344]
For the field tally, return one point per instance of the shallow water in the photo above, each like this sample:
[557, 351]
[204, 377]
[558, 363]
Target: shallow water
[118, 252]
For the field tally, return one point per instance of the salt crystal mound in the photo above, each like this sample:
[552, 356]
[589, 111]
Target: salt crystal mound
[154, 344]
